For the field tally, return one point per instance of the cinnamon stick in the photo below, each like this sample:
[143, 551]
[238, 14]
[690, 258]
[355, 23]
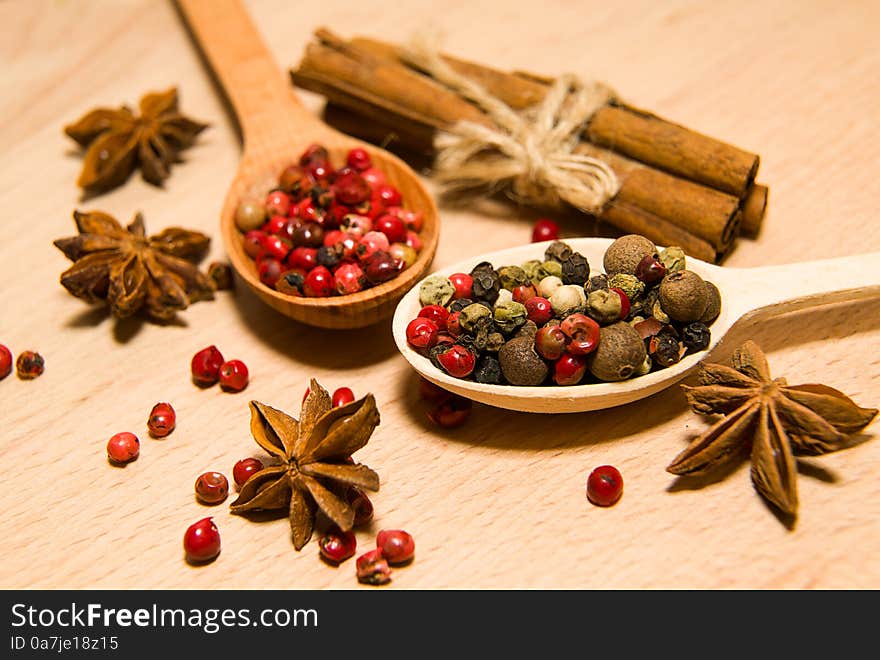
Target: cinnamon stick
[636, 133]
[358, 75]
[754, 207]
[626, 217]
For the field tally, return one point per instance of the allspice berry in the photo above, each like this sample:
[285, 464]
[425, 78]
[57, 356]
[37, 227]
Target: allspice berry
[620, 354]
[713, 307]
[684, 296]
[624, 254]
[521, 364]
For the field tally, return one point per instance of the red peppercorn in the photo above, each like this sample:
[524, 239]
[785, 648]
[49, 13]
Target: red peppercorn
[351, 188]
[453, 324]
[337, 546]
[437, 313]
[524, 293]
[538, 310]
[388, 194]
[275, 224]
[452, 412]
[372, 242]
[303, 257]
[431, 392]
[320, 171]
[372, 568]
[201, 542]
[624, 302]
[363, 507]
[356, 225]
[277, 247]
[398, 546]
[333, 237]
[29, 365]
[349, 279]
[569, 369]
[295, 180]
[211, 488]
[233, 376]
[162, 420]
[205, 366]
[550, 342]
[245, 469]
[464, 285]
[314, 153]
[582, 333]
[421, 333]
[123, 448]
[413, 241]
[375, 177]
[253, 242]
[319, 283]
[269, 270]
[604, 485]
[457, 361]
[545, 230]
[342, 396]
[392, 226]
[5, 362]
[277, 203]
[359, 159]
[650, 269]
[380, 267]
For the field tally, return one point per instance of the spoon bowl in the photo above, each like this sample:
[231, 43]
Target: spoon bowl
[745, 293]
[276, 128]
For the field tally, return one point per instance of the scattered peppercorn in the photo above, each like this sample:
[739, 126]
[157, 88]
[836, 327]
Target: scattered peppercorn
[162, 420]
[245, 469]
[123, 448]
[544, 230]
[211, 488]
[201, 542]
[604, 485]
[29, 365]
[221, 276]
[5, 362]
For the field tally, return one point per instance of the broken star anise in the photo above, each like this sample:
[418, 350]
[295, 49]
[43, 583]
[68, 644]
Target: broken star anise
[132, 271]
[117, 141]
[314, 454]
[768, 417]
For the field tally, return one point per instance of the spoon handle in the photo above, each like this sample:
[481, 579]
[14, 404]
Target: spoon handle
[264, 102]
[774, 290]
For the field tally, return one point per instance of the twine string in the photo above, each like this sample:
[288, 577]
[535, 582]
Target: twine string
[532, 153]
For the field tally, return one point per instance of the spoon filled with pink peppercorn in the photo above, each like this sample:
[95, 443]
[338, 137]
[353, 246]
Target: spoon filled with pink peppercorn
[340, 229]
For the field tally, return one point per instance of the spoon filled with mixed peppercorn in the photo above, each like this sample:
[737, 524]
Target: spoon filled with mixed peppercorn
[593, 323]
[322, 227]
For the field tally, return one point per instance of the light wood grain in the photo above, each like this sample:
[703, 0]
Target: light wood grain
[499, 502]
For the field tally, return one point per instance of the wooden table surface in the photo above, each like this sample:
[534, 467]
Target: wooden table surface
[498, 503]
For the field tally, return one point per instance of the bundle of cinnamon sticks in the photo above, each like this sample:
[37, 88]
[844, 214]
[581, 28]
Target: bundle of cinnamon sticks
[678, 187]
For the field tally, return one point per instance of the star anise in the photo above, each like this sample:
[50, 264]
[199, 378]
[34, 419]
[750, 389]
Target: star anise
[768, 417]
[118, 141]
[314, 453]
[132, 271]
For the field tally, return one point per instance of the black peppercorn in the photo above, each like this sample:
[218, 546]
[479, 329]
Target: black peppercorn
[483, 327]
[695, 336]
[328, 257]
[575, 269]
[290, 282]
[459, 304]
[486, 285]
[664, 349]
[595, 283]
[468, 342]
[488, 370]
[557, 251]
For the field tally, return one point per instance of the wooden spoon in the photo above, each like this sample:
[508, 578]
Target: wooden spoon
[276, 128]
[746, 293]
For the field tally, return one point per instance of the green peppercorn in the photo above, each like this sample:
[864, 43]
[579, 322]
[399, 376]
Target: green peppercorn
[673, 258]
[494, 342]
[436, 290]
[576, 269]
[510, 315]
[684, 296]
[624, 254]
[557, 251]
[471, 314]
[550, 268]
[483, 328]
[512, 277]
[531, 269]
[631, 285]
[604, 306]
